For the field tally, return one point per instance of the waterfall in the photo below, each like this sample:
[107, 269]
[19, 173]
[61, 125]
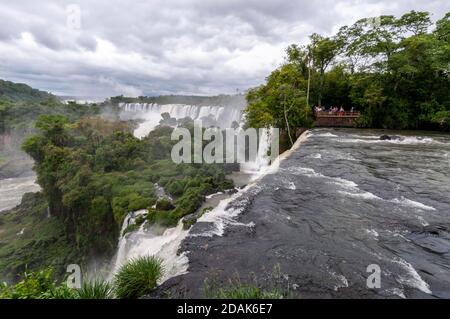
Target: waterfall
[164, 243]
[221, 116]
[224, 117]
[262, 160]
[151, 241]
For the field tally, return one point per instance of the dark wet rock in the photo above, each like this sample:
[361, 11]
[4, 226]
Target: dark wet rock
[167, 120]
[433, 238]
[389, 137]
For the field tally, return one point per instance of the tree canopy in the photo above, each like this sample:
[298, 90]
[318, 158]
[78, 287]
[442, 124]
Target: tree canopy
[394, 70]
[93, 172]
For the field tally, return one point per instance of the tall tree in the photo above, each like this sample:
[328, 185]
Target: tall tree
[415, 22]
[323, 52]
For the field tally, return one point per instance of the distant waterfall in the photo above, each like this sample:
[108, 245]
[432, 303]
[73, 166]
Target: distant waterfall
[222, 116]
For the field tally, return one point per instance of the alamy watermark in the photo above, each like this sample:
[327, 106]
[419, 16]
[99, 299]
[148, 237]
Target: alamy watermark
[73, 16]
[214, 145]
[374, 279]
[74, 277]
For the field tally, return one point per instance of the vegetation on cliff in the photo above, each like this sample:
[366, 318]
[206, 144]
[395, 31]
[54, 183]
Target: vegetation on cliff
[30, 239]
[94, 172]
[21, 105]
[133, 280]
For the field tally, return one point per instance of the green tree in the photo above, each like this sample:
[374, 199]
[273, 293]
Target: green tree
[322, 51]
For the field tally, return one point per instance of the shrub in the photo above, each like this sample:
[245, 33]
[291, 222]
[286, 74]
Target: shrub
[130, 228]
[61, 292]
[138, 277]
[163, 218]
[96, 289]
[37, 285]
[164, 204]
[176, 188]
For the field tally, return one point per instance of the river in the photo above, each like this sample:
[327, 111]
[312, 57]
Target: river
[12, 190]
[343, 200]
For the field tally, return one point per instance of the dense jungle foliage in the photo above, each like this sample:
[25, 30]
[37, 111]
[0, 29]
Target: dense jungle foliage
[93, 172]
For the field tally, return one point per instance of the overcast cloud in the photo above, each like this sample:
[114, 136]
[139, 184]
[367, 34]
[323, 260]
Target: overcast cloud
[153, 47]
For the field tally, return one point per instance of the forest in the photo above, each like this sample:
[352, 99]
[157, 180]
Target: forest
[92, 172]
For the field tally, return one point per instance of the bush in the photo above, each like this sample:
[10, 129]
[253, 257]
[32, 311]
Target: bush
[130, 228]
[37, 285]
[160, 217]
[96, 289]
[164, 204]
[61, 292]
[138, 277]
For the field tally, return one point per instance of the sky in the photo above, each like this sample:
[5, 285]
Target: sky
[203, 47]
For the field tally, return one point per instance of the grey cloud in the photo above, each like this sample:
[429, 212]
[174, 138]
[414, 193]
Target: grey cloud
[178, 46]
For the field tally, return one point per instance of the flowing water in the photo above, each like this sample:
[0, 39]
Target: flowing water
[12, 190]
[342, 201]
[152, 241]
[221, 116]
[165, 243]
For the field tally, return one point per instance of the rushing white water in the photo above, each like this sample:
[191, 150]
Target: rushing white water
[351, 189]
[12, 190]
[411, 203]
[412, 278]
[262, 160]
[164, 243]
[407, 140]
[152, 241]
[222, 116]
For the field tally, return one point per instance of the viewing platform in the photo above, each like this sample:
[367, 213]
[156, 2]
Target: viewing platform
[336, 119]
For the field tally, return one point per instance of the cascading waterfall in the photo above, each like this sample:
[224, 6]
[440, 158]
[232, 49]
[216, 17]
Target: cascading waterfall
[152, 241]
[262, 160]
[164, 243]
[223, 116]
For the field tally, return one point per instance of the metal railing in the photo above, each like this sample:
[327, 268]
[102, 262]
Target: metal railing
[337, 114]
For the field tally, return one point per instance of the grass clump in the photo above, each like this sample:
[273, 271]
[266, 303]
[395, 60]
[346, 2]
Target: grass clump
[138, 277]
[95, 289]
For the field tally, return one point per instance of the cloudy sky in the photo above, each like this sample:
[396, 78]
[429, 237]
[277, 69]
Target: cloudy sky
[150, 47]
